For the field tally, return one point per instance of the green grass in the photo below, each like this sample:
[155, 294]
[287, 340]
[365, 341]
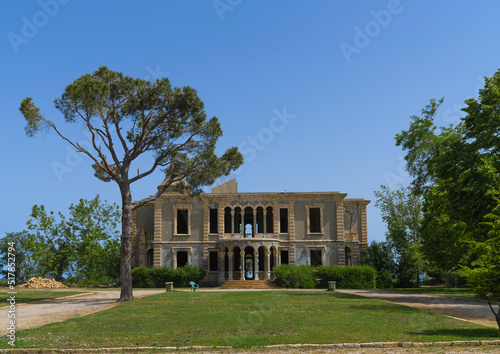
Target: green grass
[24, 296]
[460, 292]
[244, 319]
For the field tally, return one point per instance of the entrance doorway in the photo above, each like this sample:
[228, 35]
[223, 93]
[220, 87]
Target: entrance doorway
[249, 263]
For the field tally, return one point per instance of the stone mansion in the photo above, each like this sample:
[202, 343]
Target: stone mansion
[242, 236]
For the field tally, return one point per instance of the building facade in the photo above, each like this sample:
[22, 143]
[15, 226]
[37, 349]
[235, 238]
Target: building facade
[242, 236]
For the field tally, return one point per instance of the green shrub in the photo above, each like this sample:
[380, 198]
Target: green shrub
[143, 277]
[384, 279]
[186, 274]
[291, 276]
[358, 277]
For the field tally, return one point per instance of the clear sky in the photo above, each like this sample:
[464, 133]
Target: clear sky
[312, 92]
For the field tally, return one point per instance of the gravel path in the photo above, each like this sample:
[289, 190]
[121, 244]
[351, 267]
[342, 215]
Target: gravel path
[36, 314]
[463, 308]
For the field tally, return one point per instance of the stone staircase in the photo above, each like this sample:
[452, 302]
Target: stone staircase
[249, 284]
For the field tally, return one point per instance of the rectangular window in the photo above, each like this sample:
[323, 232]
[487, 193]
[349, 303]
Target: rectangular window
[284, 257]
[314, 220]
[315, 257]
[214, 229]
[214, 261]
[270, 220]
[227, 220]
[182, 221]
[182, 258]
[283, 221]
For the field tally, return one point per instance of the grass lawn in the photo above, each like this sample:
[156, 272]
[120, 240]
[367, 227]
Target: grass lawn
[460, 292]
[245, 319]
[30, 295]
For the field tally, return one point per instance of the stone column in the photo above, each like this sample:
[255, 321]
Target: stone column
[157, 233]
[142, 250]
[242, 223]
[339, 214]
[230, 265]
[265, 222]
[220, 222]
[232, 222]
[364, 229]
[255, 264]
[267, 266]
[222, 279]
[254, 228]
[291, 230]
[276, 220]
[242, 256]
[206, 229]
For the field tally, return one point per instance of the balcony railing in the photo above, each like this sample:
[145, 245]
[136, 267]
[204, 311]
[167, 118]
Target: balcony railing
[240, 236]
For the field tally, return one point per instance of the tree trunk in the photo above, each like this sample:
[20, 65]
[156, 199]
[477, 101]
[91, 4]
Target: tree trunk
[60, 270]
[126, 244]
[59, 275]
[497, 314]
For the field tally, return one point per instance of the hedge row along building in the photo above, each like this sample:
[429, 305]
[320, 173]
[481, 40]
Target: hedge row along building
[242, 236]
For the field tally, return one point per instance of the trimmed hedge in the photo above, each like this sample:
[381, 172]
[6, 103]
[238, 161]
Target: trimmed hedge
[143, 277]
[291, 276]
[358, 277]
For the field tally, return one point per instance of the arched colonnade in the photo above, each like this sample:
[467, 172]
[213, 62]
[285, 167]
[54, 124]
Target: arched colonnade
[247, 260]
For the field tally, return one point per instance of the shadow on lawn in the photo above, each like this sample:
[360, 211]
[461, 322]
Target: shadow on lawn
[475, 333]
[328, 294]
[385, 308]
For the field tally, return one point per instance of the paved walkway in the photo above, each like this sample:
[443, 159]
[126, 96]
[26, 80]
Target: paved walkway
[463, 308]
[36, 314]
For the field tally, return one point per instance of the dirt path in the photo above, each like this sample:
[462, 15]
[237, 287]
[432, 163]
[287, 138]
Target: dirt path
[36, 314]
[466, 309]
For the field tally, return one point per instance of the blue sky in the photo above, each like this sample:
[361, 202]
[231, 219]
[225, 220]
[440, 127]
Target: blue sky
[344, 75]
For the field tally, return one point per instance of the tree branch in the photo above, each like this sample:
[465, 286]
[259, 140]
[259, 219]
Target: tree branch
[493, 310]
[118, 131]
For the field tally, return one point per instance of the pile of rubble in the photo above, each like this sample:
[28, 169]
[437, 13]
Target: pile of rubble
[43, 283]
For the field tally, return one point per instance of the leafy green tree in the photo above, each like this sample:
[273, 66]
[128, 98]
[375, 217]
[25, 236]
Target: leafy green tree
[131, 118]
[84, 245]
[98, 250]
[456, 170]
[380, 256]
[402, 212]
[25, 266]
[483, 275]
[53, 243]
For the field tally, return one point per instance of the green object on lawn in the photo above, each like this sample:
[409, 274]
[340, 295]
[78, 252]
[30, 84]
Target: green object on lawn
[194, 286]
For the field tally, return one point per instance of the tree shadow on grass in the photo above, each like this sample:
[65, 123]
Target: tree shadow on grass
[471, 333]
[385, 308]
[328, 294]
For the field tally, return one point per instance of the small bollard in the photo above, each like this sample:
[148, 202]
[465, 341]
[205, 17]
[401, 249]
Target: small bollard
[332, 285]
[169, 286]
